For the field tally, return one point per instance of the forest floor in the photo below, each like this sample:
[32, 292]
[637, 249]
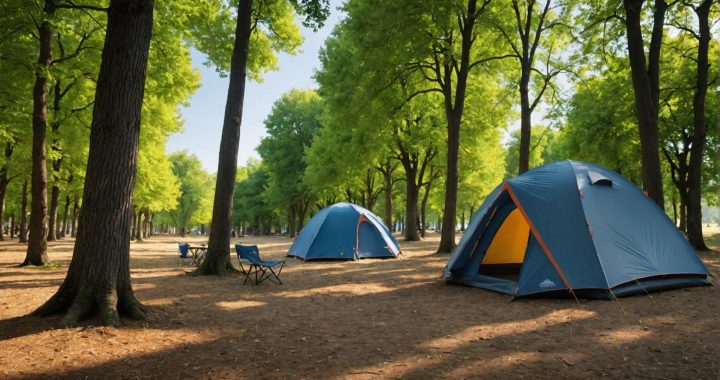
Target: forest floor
[352, 320]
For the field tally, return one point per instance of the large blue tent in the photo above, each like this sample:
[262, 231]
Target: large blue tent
[344, 231]
[573, 228]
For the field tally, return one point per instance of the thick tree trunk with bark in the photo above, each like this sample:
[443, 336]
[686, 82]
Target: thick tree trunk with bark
[447, 234]
[646, 86]
[23, 213]
[387, 170]
[525, 122]
[75, 214]
[37, 242]
[423, 207]
[694, 207]
[216, 260]
[52, 216]
[3, 191]
[98, 278]
[139, 226]
[411, 207]
[454, 112]
[4, 181]
[56, 165]
[66, 212]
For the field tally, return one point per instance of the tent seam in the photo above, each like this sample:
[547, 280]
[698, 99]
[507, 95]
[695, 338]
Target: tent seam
[587, 225]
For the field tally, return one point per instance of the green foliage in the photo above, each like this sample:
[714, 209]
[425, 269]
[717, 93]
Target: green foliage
[194, 203]
[249, 204]
[291, 126]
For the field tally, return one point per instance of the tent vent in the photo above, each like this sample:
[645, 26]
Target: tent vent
[598, 179]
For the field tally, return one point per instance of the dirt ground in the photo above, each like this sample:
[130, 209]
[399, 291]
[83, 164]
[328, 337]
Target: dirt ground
[351, 320]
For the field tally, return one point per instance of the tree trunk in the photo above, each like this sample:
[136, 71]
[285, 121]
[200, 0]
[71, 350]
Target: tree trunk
[3, 191]
[387, 176]
[23, 213]
[148, 224]
[66, 212]
[12, 225]
[454, 113]
[291, 226]
[683, 213]
[411, 207]
[133, 226]
[54, 204]
[56, 165]
[98, 278]
[447, 234]
[694, 207]
[4, 181]
[423, 209]
[525, 121]
[138, 225]
[216, 261]
[37, 243]
[75, 214]
[646, 86]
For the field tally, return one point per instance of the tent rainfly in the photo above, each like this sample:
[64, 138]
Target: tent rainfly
[573, 228]
[344, 231]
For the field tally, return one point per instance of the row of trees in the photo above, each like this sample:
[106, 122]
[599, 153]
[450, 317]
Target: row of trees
[99, 58]
[412, 100]
[401, 80]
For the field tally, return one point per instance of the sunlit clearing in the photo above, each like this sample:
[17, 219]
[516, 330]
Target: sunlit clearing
[239, 304]
[495, 330]
[349, 289]
[624, 335]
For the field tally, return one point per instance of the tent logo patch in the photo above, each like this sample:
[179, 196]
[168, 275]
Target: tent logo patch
[547, 283]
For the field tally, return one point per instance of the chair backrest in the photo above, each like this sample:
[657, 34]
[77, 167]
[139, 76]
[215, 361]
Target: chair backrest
[183, 249]
[248, 252]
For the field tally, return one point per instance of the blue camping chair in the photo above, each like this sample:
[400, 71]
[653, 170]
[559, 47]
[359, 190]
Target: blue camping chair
[252, 265]
[183, 253]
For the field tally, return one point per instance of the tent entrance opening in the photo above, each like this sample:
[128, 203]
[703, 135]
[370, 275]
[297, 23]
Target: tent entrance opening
[505, 255]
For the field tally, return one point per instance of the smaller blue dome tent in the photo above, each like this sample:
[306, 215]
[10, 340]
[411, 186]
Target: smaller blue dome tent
[573, 227]
[344, 231]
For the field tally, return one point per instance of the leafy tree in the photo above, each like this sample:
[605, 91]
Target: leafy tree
[195, 195]
[280, 34]
[99, 273]
[170, 82]
[646, 86]
[538, 34]
[291, 126]
[250, 206]
[700, 123]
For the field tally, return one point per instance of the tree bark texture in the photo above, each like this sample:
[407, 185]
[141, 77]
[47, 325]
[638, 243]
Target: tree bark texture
[646, 86]
[526, 56]
[387, 170]
[454, 113]
[98, 279]
[75, 214]
[56, 165]
[54, 205]
[216, 261]
[23, 213]
[525, 122]
[4, 181]
[37, 242]
[694, 207]
[66, 212]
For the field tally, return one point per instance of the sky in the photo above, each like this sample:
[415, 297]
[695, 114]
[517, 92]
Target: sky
[204, 116]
